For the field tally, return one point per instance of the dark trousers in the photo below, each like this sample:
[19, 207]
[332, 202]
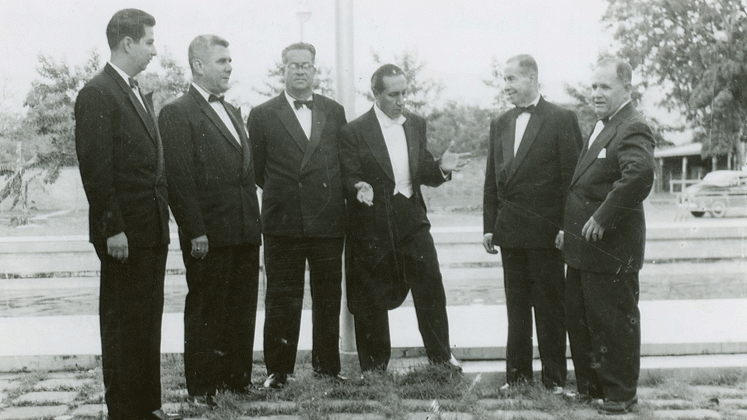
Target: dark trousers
[219, 318]
[285, 264]
[423, 278]
[534, 278]
[605, 332]
[130, 312]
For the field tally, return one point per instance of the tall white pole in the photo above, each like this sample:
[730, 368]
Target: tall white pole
[345, 92]
[303, 13]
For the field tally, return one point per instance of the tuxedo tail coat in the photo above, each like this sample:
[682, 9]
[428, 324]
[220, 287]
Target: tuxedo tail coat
[371, 280]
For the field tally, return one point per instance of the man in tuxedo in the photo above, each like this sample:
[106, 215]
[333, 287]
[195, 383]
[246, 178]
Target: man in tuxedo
[122, 167]
[213, 196]
[533, 150]
[390, 250]
[603, 242]
[295, 144]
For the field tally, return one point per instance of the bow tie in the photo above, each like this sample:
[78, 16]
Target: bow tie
[605, 120]
[530, 109]
[133, 83]
[215, 98]
[298, 104]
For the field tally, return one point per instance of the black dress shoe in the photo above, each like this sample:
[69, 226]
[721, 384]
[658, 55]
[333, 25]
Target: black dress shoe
[617, 407]
[276, 380]
[161, 415]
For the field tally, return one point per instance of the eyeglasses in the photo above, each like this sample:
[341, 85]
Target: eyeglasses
[296, 66]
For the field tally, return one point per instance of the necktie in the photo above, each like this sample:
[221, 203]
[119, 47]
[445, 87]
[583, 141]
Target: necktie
[215, 98]
[530, 109]
[133, 83]
[298, 104]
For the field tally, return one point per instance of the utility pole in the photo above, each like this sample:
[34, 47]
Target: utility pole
[303, 13]
[345, 92]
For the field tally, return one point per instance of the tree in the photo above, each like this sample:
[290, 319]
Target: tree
[696, 51]
[463, 127]
[275, 84]
[166, 84]
[50, 105]
[496, 82]
[423, 93]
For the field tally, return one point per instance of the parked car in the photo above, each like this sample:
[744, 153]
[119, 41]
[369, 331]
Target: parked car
[717, 193]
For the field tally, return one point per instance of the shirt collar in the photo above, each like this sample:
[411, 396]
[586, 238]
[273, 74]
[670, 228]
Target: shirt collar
[292, 99]
[121, 72]
[205, 94]
[618, 109]
[384, 119]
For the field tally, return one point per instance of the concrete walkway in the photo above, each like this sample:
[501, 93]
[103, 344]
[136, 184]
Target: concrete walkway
[669, 328]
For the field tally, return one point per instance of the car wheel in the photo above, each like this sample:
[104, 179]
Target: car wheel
[698, 213]
[718, 209]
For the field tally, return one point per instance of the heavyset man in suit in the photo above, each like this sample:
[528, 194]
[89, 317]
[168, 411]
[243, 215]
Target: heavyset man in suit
[213, 196]
[122, 167]
[295, 144]
[603, 242]
[390, 250]
[533, 150]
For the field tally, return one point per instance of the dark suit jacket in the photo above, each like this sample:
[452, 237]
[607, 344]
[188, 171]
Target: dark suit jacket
[300, 178]
[524, 196]
[121, 163]
[212, 190]
[371, 279]
[610, 182]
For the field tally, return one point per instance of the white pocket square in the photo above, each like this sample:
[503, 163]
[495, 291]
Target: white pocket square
[602, 154]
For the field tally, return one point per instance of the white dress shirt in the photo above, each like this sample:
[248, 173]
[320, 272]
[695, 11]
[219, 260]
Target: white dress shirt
[396, 145]
[521, 125]
[599, 126]
[221, 111]
[127, 78]
[303, 115]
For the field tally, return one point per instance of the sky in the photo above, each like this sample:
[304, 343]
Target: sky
[457, 40]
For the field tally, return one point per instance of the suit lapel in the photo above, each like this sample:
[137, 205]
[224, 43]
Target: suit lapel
[148, 120]
[413, 149]
[318, 120]
[530, 135]
[374, 137]
[507, 138]
[208, 110]
[290, 122]
[602, 140]
[148, 100]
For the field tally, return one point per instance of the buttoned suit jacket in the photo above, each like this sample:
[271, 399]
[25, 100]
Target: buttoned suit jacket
[613, 177]
[302, 193]
[371, 278]
[524, 195]
[212, 189]
[120, 155]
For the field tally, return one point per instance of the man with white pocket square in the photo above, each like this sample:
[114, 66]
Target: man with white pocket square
[603, 240]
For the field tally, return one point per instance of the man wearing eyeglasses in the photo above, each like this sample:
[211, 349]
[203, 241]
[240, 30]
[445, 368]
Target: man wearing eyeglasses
[294, 138]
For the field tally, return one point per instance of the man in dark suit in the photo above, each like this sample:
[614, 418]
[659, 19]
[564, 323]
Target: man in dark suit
[214, 200]
[532, 152]
[603, 241]
[122, 167]
[295, 143]
[390, 250]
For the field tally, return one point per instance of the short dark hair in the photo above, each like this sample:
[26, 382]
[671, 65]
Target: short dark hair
[526, 63]
[622, 68]
[387, 70]
[128, 22]
[199, 46]
[299, 46]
